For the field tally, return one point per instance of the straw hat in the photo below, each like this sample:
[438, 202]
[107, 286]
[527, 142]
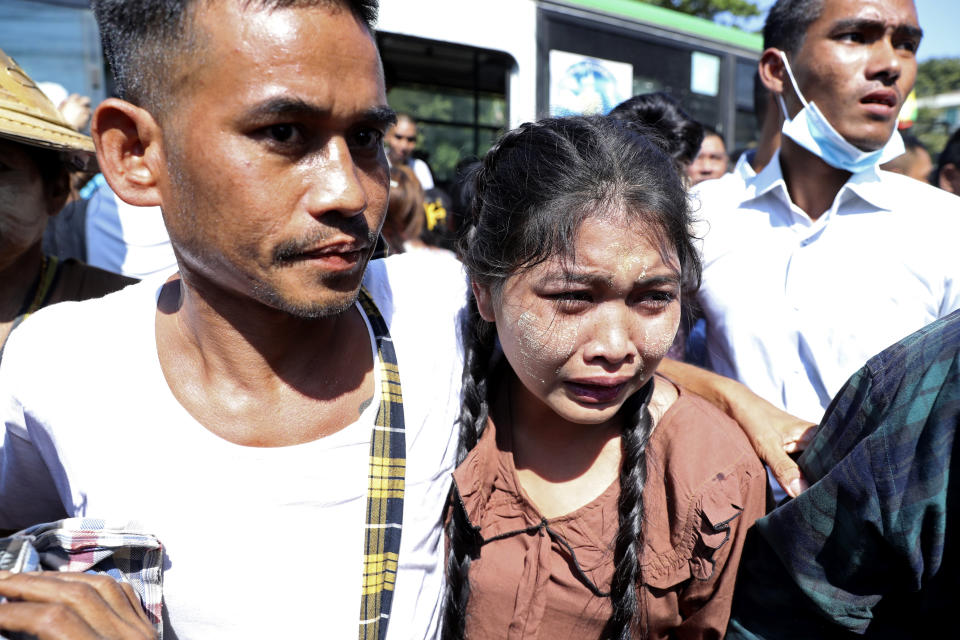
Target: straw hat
[27, 116]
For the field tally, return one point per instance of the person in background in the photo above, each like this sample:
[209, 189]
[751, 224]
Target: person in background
[770, 119]
[914, 163]
[102, 230]
[947, 175]
[401, 140]
[682, 134]
[37, 151]
[74, 107]
[712, 160]
[822, 260]
[405, 213]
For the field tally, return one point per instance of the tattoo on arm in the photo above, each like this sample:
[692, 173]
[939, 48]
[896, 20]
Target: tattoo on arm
[364, 405]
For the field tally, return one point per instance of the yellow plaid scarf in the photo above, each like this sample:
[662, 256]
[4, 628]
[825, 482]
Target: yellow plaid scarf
[388, 461]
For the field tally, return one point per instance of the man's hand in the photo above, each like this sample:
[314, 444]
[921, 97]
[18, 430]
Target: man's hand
[75, 109]
[72, 606]
[774, 433]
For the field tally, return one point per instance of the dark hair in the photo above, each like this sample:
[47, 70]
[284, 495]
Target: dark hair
[710, 131]
[949, 155]
[681, 133]
[911, 142]
[50, 165]
[534, 189]
[787, 23]
[143, 39]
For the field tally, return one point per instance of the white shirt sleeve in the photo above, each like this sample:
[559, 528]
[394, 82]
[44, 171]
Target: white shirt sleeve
[422, 171]
[28, 491]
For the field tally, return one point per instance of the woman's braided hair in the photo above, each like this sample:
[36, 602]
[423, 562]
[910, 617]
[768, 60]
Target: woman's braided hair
[534, 189]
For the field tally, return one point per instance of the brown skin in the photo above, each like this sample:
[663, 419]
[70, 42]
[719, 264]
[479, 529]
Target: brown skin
[26, 204]
[711, 162]
[915, 163]
[949, 179]
[855, 49]
[72, 606]
[292, 159]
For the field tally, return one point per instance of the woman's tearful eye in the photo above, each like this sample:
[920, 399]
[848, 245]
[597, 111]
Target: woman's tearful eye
[571, 301]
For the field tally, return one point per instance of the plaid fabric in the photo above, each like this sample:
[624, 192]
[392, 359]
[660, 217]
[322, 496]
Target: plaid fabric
[866, 549]
[388, 460]
[92, 546]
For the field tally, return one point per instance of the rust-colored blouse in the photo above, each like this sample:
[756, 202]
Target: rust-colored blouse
[705, 487]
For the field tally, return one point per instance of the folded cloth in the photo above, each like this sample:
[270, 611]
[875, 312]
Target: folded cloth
[91, 546]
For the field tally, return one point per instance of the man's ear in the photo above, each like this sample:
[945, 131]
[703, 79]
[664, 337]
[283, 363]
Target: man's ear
[484, 299]
[949, 179]
[773, 74]
[129, 151]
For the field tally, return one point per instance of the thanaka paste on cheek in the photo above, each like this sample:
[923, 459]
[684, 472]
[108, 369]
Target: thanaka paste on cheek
[659, 340]
[540, 342]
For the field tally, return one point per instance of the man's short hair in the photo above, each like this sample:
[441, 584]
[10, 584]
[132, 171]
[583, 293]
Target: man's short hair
[710, 131]
[950, 153]
[911, 143]
[144, 39]
[787, 23]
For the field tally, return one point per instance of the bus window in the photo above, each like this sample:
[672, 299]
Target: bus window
[456, 93]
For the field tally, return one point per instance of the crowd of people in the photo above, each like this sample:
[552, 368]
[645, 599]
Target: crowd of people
[478, 411]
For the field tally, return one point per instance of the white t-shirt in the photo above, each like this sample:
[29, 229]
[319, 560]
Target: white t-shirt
[422, 171]
[260, 542]
[126, 239]
[794, 306]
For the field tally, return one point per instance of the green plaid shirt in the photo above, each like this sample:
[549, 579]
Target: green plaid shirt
[865, 552]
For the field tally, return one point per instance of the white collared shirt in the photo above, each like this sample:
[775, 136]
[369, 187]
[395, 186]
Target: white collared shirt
[794, 306]
[743, 168]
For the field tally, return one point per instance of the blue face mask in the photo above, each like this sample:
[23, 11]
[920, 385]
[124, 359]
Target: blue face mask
[810, 129]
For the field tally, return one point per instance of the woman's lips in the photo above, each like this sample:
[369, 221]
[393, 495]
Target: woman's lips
[591, 393]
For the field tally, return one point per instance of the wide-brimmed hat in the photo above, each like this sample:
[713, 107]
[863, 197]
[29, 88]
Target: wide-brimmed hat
[27, 116]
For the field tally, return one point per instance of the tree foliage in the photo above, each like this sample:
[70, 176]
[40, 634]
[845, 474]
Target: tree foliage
[934, 76]
[938, 75]
[710, 8]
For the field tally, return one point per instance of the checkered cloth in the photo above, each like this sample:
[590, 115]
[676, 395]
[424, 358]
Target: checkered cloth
[866, 551]
[92, 546]
[388, 461]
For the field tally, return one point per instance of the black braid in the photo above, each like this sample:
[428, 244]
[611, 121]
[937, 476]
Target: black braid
[533, 190]
[624, 593]
[479, 344]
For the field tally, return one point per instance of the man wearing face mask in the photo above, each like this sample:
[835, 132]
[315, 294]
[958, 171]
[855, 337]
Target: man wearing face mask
[822, 259]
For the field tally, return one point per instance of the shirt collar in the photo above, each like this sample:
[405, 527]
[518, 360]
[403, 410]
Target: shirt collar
[743, 167]
[867, 185]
